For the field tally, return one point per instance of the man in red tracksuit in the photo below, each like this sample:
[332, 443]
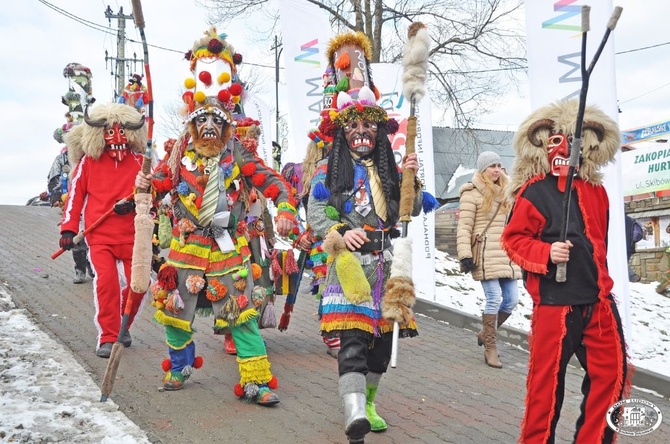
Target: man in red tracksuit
[107, 151]
[579, 316]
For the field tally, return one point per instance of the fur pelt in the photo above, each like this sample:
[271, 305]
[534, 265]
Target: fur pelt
[415, 61]
[355, 285]
[399, 296]
[532, 161]
[85, 140]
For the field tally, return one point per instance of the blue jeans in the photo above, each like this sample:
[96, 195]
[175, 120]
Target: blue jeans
[501, 295]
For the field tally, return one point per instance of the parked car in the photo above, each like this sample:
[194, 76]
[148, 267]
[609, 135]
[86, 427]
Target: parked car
[450, 211]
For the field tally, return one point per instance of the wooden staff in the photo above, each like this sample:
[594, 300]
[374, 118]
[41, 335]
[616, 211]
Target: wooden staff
[399, 294]
[576, 145]
[144, 226]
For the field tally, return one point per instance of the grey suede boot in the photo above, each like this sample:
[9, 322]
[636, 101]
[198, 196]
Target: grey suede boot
[352, 392]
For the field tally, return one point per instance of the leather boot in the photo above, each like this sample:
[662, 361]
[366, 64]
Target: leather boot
[490, 350]
[229, 344]
[80, 262]
[377, 423]
[352, 392]
[502, 317]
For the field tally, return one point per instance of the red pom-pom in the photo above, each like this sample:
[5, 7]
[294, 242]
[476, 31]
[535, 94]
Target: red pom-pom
[237, 58]
[238, 390]
[273, 383]
[198, 201]
[205, 77]
[214, 46]
[187, 97]
[296, 230]
[258, 179]
[166, 365]
[235, 89]
[198, 361]
[167, 278]
[242, 301]
[224, 95]
[392, 126]
[271, 192]
[248, 169]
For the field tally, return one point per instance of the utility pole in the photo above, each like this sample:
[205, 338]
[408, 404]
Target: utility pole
[120, 71]
[278, 49]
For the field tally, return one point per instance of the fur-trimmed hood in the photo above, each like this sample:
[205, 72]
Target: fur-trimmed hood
[600, 141]
[86, 140]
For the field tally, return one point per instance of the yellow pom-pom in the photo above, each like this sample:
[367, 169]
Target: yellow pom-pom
[200, 96]
[189, 83]
[224, 77]
[236, 99]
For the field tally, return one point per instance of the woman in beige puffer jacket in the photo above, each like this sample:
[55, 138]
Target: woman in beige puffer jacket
[498, 275]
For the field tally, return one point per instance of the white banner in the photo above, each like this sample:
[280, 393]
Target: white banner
[305, 35]
[387, 79]
[647, 170]
[256, 109]
[553, 31]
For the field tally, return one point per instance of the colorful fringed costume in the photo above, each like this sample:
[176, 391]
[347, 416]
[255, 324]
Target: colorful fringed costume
[213, 175]
[354, 207]
[579, 316]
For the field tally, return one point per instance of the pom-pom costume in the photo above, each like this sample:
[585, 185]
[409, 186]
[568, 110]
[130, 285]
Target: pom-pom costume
[107, 149]
[579, 316]
[347, 195]
[212, 176]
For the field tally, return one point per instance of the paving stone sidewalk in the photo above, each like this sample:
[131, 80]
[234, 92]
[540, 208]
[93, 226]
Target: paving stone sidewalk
[440, 392]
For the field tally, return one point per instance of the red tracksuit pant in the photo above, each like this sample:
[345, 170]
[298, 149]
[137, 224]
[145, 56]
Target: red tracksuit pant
[109, 298]
[594, 334]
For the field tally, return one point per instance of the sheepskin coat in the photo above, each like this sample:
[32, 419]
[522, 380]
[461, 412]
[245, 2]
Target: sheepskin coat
[473, 220]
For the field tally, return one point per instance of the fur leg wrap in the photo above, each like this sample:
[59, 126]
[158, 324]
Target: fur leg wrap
[142, 249]
[354, 284]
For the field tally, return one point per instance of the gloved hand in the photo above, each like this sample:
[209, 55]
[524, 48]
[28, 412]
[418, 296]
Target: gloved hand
[67, 240]
[467, 265]
[124, 207]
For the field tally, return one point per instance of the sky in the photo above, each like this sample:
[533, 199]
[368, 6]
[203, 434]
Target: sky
[35, 390]
[44, 41]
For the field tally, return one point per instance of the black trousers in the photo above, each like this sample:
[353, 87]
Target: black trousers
[361, 355]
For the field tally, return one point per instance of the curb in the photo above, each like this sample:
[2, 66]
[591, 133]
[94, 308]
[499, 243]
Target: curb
[642, 378]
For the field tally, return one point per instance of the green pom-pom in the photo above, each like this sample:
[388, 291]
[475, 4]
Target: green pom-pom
[343, 84]
[332, 213]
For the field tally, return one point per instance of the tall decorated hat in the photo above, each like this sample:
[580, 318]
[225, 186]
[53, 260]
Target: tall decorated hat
[214, 68]
[349, 57]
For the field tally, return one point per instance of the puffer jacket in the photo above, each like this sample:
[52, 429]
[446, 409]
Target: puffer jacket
[495, 264]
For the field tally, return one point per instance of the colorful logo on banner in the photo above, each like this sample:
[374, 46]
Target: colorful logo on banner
[645, 133]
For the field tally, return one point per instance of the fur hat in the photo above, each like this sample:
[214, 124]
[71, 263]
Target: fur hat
[85, 139]
[600, 141]
[486, 159]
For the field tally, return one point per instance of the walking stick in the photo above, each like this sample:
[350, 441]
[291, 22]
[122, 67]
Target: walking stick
[399, 295]
[144, 226]
[576, 145]
[80, 236]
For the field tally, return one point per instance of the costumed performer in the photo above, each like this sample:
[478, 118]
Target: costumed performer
[212, 176]
[356, 212]
[579, 316]
[107, 149]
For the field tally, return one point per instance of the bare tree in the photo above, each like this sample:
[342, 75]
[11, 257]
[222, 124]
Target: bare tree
[477, 45]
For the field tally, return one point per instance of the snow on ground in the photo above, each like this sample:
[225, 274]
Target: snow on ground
[650, 312]
[45, 390]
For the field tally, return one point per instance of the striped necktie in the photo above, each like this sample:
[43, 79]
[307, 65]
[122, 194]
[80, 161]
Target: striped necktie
[210, 197]
[378, 198]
